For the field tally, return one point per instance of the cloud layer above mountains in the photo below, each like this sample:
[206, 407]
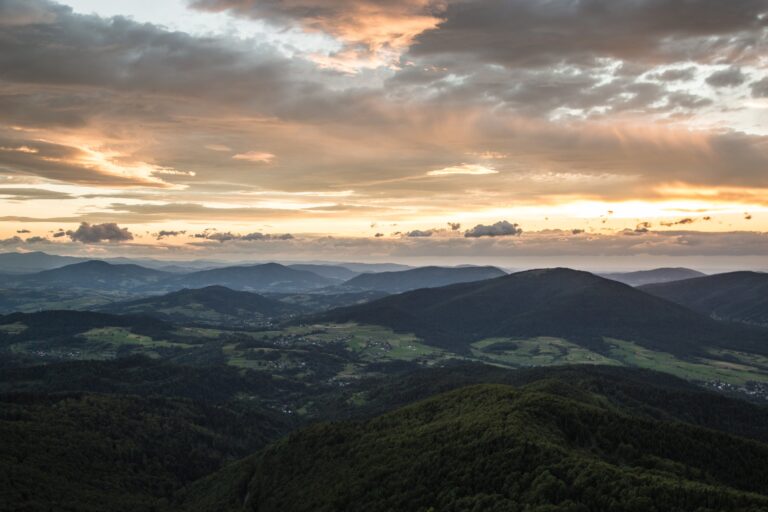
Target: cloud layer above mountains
[404, 112]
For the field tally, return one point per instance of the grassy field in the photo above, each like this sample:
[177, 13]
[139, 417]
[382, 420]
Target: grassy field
[706, 370]
[541, 351]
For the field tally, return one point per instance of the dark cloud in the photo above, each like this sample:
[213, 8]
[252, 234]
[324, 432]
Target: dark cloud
[59, 234]
[167, 234]
[655, 31]
[730, 77]
[676, 74]
[680, 222]
[501, 228]
[95, 233]
[19, 193]
[222, 237]
[22, 231]
[643, 227]
[455, 226]
[760, 88]
[577, 231]
[417, 233]
[36, 239]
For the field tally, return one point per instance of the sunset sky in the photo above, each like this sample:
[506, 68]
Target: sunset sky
[624, 133]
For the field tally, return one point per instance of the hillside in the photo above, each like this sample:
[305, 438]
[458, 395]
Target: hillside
[212, 305]
[658, 275]
[90, 452]
[94, 274]
[736, 296]
[578, 306]
[270, 277]
[547, 447]
[422, 277]
[330, 271]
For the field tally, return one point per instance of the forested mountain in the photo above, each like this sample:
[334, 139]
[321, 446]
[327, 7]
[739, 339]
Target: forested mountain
[422, 277]
[737, 296]
[545, 447]
[93, 274]
[259, 278]
[92, 452]
[212, 305]
[579, 306]
[658, 275]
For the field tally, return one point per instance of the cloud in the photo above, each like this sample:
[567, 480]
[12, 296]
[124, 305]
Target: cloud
[501, 228]
[500, 32]
[455, 226]
[643, 227]
[472, 169]
[372, 32]
[760, 88]
[255, 156]
[684, 221]
[676, 74]
[20, 193]
[91, 234]
[222, 237]
[36, 239]
[577, 231]
[416, 233]
[59, 234]
[167, 234]
[730, 77]
[22, 231]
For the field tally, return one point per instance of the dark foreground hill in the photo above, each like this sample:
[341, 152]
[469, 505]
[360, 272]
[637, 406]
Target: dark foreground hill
[423, 277]
[578, 306]
[736, 296]
[545, 447]
[90, 452]
[271, 277]
[212, 305]
[657, 275]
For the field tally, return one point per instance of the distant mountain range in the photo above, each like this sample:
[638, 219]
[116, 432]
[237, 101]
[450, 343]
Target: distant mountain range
[422, 277]
[737, 296]
[94, 274]
[579, 306]
[22, 263]
[658, 275]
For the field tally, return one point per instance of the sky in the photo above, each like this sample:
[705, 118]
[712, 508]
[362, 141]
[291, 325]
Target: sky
[588, 133]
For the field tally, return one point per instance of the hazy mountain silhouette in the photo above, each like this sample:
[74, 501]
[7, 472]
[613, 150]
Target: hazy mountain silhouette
[657, 275]
[422, 277]
[737, 296]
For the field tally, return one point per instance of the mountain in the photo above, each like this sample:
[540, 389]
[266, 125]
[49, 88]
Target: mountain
[45, 325]
[422, 277]
[736, 296]
[658, 275]
[93, 274]
[563, 303]
[330, 271]
[28, 262]
[547, 446]
[95, 452]
[374, 267]
[212, 305]
[259, 278]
